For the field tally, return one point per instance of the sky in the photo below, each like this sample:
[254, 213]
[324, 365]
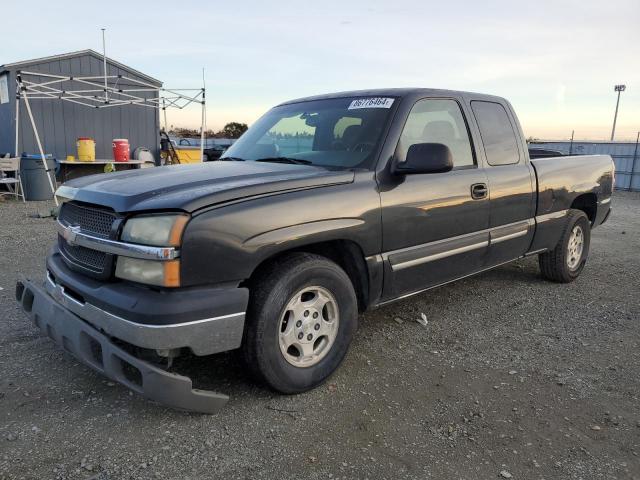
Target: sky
[556, 61]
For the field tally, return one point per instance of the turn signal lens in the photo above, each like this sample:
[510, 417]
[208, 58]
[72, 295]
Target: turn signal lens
[149, 272]
[175, 236]
[172, 273]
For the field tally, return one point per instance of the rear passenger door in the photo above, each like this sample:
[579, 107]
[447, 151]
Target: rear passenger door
[434, 225]
[511, 182]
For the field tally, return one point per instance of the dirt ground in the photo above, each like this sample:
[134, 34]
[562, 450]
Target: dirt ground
[513, 377]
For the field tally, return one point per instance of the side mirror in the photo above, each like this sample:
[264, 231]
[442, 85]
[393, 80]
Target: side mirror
[425, 158]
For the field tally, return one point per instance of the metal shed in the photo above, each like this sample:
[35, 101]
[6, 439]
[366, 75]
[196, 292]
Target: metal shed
[61, 123]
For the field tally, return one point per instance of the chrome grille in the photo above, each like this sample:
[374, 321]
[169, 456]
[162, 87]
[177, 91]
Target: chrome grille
[85, 257]
[93, 221]
[90, 220]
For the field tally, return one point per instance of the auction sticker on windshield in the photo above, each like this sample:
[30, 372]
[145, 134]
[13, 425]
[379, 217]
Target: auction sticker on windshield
[376, 102]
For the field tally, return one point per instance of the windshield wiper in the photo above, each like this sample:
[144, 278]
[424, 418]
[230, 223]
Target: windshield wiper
[295, 161]
[231, 159]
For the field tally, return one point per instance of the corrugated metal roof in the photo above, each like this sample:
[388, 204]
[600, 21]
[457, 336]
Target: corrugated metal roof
[80, 53]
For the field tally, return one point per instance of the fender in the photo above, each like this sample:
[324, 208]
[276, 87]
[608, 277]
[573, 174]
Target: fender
[300, 232]
[226, 244]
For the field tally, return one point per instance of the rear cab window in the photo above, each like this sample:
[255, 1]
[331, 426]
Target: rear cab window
[498, 136]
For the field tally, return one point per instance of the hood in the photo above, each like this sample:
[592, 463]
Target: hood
[191, 187]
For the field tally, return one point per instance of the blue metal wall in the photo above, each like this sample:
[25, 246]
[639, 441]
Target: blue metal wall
[626, 156]
[7, 114]
[60, 123]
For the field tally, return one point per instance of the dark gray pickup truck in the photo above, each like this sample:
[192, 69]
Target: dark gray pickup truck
[325, 207]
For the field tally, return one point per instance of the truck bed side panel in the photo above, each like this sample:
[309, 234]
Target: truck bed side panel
[560, 181]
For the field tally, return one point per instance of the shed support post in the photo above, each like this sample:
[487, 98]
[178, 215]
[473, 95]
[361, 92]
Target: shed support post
[104, 66]
[164, 114]
[17, 153]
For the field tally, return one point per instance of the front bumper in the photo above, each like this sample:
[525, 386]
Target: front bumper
[97, 350]
[206, 320]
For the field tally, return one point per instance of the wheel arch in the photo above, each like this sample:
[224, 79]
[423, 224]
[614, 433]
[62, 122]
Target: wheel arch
[588, 203]
[346, 253]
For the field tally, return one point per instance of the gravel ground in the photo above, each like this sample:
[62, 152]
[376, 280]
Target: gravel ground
[512, 377]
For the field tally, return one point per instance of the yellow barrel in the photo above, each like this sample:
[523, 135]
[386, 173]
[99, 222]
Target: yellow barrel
[86, 149]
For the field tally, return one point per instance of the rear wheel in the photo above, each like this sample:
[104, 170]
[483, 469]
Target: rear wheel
[301, 319]
[565, 262]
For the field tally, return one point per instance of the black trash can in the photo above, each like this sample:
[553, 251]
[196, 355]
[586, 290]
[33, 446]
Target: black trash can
[34, 177]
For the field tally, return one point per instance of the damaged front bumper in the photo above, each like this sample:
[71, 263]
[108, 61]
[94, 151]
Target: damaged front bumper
[98, 351]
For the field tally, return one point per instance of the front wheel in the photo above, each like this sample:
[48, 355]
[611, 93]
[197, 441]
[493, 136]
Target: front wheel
[301, 319]
[565, 262]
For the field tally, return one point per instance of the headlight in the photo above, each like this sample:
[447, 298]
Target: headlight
[151, 272]
[155, 230]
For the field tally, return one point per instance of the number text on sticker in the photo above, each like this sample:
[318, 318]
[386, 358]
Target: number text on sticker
[376, 102]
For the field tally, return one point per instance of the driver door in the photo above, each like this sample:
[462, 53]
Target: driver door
[434, 224]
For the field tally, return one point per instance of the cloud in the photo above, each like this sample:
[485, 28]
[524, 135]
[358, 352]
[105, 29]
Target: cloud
[257, 54]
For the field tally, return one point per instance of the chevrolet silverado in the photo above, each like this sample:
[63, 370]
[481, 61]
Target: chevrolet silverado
[325, 207]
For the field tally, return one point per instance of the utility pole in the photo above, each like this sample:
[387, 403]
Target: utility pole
[571, 144]
[619, 89]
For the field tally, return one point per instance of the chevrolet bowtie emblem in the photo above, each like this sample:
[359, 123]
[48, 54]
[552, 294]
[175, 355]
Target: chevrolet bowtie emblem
[70, 234]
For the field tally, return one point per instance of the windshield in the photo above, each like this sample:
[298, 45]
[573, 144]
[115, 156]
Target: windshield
[341, 133]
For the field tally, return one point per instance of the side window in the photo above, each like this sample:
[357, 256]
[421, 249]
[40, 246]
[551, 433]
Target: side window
[500, 141]
[437, 121]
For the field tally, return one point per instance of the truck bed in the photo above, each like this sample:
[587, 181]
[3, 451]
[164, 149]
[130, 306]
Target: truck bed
[557, 180]
[581, 181]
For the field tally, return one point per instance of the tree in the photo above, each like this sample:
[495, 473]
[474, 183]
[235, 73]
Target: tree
[184, 132]
[230, 130]
[234, 129]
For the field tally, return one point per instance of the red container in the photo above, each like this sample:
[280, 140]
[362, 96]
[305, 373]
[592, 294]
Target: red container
[121, 149]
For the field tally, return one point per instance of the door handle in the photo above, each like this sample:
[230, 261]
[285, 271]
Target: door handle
[479, 190]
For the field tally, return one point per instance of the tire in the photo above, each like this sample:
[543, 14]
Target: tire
[562, 264]
[272, 294]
